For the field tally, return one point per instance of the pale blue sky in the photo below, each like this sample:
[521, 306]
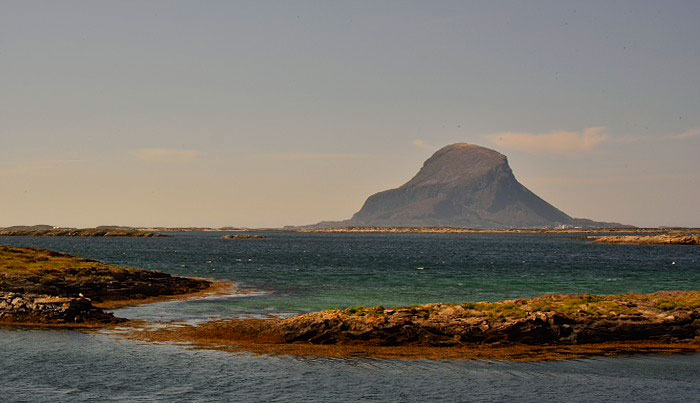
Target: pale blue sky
[275, 113]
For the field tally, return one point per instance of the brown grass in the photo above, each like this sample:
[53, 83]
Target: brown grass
[590, 306]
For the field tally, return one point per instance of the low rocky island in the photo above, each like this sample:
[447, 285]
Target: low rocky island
[244, 237]
[667, 239]
[543, 328]
[80, 232]
[44, 287]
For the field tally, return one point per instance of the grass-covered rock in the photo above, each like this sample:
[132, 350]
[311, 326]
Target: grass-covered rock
[36, 271]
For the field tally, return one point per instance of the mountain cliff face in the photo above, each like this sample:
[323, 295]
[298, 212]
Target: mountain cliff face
[462, 185]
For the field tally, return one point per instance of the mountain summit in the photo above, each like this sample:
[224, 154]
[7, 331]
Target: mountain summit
[462, 185]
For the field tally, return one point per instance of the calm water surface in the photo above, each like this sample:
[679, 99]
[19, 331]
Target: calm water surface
[296, 273]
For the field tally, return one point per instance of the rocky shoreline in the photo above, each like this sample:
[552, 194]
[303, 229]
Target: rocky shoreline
[563, 326]
[559, 319]
[37, 310]
[45, 287]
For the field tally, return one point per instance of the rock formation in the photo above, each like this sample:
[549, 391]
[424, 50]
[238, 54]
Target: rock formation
[43, 309]
[552, 319]
[462, 185]
[37, 271]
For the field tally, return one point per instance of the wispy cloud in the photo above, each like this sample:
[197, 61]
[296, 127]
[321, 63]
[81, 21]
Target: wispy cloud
[575, 181]
[165, 155]
[37, 166]
[559, 142]
[315, 156]
[690, 134]
[424, 145]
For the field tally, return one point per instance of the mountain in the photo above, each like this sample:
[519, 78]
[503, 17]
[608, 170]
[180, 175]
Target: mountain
[463, 185]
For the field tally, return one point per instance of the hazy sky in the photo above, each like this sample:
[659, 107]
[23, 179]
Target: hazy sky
[257, 113]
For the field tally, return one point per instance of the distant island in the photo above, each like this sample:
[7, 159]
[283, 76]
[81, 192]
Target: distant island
[462, 186]
[244, 237]
[44, 230]
[450, 230]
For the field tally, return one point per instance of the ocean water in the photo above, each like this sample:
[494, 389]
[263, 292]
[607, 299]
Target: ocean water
[288, 274]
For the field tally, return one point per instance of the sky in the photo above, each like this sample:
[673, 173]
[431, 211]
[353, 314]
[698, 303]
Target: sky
[272, 113]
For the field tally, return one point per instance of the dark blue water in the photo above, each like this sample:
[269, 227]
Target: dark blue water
[294, 273]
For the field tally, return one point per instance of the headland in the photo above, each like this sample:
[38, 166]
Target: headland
[34, 281]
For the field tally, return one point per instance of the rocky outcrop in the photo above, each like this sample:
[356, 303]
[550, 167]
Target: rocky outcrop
[670, 317]
[244, 237]
[462, 185]
[553, 327]
[652, 240]
[43, 309]
[37, 271]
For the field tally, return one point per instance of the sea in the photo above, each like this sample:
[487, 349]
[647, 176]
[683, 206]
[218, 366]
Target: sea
[288, 274]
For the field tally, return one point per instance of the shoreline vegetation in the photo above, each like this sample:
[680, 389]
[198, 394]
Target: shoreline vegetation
[40, 288]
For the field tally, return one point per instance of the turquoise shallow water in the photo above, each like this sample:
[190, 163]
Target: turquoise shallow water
[295, 273]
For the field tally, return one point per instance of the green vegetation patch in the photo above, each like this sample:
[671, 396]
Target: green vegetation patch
[577, 307]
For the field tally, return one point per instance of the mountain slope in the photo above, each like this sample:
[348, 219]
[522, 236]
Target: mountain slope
[462, 185]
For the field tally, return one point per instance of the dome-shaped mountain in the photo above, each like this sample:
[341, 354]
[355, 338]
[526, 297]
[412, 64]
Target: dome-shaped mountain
[461, 185]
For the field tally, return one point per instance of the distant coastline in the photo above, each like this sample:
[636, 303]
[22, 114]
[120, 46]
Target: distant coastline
[447, 230]
[665, 239]
[148, 232]
[80, 232]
